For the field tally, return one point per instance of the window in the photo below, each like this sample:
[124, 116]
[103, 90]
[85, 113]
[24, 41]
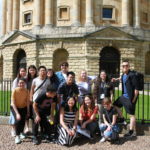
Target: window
[108, 13]
[63, 13]
[27, 18]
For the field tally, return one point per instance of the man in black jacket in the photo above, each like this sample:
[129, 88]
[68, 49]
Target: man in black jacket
[129, 95]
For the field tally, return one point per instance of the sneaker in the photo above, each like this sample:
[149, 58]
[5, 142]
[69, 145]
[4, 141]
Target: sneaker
[17, 140]
[35, 141]
[22, 136]
[130, 134]
[102, 140]
[13, 133]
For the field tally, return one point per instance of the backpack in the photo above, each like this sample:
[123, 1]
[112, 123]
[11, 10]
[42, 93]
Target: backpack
[139, 80]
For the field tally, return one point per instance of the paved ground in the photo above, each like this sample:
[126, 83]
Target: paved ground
[7, 143]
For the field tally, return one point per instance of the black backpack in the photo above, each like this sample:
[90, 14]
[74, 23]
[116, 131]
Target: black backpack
[139, 79]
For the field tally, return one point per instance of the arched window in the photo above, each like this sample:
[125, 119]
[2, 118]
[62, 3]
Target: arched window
[110, 61]
[147, 67]
[59, 56]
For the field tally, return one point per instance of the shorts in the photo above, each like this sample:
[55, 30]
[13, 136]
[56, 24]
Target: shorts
[128, 105]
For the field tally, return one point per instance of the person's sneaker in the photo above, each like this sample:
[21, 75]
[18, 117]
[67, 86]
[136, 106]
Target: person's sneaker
[17, 140]
[22, 136]
[13, 133]
[35, 141]
[102, 140]
[130, 134]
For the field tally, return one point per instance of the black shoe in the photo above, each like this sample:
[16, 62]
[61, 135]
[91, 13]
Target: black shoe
[35, 141]
[131, 133]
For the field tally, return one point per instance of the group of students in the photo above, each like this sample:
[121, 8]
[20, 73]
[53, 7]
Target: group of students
[59, 104]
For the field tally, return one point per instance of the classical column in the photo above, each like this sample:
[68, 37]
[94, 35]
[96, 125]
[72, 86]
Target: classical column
[125, 13]
[15, 24]
[76, 13]
[37, 13]
[48, 12]
[89, 13]
[9, 15]
[4, 16]
[136, 13]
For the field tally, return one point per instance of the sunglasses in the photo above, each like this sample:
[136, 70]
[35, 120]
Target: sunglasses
[125, 66]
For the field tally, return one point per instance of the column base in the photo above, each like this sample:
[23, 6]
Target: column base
[48, 26]
[76, 24]
[89, 24]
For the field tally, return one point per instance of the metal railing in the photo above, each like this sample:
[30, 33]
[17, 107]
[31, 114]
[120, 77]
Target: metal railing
[142, 106]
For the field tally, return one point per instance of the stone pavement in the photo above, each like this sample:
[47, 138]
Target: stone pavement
[7, 143]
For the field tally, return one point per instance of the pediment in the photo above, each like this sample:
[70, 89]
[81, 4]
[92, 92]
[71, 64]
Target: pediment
[111, 33]
[19, 37]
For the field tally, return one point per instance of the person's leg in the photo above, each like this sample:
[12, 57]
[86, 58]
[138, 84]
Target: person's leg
[92, 127]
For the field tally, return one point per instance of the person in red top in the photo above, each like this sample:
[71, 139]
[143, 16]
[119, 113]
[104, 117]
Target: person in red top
[87, 114]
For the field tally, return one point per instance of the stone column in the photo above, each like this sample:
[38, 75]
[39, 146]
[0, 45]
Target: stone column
[48, 12]
[89, 13]
[9, 15]
[37, 13]
[125, 13]
[15, 24]
[4, 16]
[136, 13]
[76, 13]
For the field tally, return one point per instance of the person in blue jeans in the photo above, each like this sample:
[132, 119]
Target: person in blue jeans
[110, 120]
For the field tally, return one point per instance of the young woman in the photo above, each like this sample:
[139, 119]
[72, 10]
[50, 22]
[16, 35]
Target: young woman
[84, 85]
[32, 74]
[68, 122]
[21, 74]
[87, 115]
[110, 117]
[53, 78]
[102, 88]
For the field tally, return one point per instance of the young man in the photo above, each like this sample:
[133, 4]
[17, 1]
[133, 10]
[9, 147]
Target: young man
[44, 106]
[129, 95]
[20, 108]
[62, 75]
[68, 89]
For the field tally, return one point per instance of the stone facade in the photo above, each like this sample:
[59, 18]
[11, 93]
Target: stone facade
[76, 31]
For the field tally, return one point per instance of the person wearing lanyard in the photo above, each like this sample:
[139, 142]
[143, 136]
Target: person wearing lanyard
[102, 88]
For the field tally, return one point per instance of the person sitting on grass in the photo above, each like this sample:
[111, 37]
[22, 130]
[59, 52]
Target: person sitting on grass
[110, 120]
[20, 108]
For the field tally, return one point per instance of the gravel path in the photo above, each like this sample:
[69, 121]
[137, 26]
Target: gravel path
[7, 143]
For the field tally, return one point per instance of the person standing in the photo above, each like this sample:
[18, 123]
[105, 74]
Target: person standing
[129, 96]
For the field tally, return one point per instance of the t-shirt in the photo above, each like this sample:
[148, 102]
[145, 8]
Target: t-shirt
[68, 90]
[110, 113]
[86, 115]
[44, 103]
[125, 94]
[37, 82]
[20, 96]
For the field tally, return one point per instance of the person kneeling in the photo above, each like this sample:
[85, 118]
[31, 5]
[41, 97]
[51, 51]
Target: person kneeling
[109, 129]
[44, 106]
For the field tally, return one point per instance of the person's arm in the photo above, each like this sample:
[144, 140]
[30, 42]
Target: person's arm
[76, 120]
[35, 107]
[28, 103]
[52, 111]
[32, 92]
[105, 121]
[114, 120]
[95, 91]
[136, 93]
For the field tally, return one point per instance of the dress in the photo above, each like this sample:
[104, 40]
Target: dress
[64, 138]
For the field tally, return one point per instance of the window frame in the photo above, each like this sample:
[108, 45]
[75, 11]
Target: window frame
[68, 13]
[23, 18]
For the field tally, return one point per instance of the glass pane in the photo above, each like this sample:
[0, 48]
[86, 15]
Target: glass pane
[107, 12]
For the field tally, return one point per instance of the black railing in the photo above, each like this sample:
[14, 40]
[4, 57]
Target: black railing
[142, 106]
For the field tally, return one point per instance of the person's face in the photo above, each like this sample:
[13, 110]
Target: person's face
[50, 73]
[83, 75]
[71, 102]
[107, 106]
[64, 67]
[22, 72]
[125, 67]
[42, 72]
[21, 84]
[70, 79]
[103, 75]
[32, 71]
[51, 94]
[87, 101]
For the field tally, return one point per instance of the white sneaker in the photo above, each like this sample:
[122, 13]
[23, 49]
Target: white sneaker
[13, 133]
[102, 140]
[17, 140]
[22, 136]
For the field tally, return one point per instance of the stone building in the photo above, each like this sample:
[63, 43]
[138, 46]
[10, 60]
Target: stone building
[89, 34]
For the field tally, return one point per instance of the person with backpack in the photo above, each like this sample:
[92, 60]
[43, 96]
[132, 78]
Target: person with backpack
[130, 92]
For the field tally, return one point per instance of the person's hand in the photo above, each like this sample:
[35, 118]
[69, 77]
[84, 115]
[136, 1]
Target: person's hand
[83, 126]
[37, 119]
[18, 117]
[69, 132]
[73, 132]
